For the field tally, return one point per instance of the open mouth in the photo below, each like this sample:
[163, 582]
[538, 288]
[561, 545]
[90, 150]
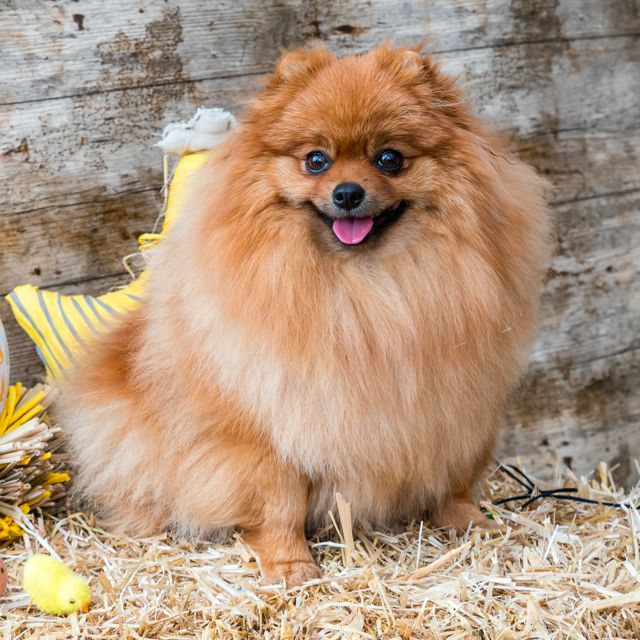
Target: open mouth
[354, 230]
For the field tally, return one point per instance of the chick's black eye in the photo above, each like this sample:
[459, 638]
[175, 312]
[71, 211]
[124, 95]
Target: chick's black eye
[317, 162]
[389, 160]
[72, 601]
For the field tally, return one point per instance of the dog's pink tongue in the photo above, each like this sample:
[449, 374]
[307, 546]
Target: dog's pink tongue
[352, 230]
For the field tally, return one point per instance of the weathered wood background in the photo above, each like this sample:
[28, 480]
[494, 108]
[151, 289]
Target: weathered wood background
[87, 85]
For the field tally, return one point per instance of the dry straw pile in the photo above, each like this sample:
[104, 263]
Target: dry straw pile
[31, 465]
[556, 570]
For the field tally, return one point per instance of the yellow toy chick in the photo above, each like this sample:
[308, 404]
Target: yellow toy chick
[53, 587]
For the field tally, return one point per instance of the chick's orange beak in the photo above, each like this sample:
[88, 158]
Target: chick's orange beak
[85, 607]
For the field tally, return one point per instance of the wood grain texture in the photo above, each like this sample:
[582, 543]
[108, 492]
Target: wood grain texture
[54, 49]
[86, 88]
[59, 245]
[580, 398]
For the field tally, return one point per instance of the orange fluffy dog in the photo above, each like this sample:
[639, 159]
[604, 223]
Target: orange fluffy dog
[343, 305]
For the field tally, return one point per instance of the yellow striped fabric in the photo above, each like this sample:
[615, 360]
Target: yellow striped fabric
[60, 325]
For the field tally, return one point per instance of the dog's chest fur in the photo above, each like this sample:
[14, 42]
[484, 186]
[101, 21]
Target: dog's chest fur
[364, 404]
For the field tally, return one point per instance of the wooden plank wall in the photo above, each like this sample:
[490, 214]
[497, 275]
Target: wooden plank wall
[86, 86]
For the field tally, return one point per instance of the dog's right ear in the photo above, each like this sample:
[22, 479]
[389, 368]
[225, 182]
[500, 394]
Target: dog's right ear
[299, 63]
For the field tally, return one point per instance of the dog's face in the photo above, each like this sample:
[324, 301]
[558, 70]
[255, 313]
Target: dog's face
[356, 144]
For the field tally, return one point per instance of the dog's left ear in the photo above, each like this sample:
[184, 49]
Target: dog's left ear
[299, 63]
[444, 93]
[414, 67]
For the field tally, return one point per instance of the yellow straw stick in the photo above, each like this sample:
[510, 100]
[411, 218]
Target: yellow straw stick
[27, 406]
[25, 418]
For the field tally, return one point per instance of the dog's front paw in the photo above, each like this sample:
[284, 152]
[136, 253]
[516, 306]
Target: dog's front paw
[294, 573]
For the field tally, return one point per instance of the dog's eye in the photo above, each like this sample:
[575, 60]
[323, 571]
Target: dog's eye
[389, 160]
[317, 162]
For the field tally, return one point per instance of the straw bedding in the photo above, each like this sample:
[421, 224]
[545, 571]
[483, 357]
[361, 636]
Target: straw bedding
[556, 570]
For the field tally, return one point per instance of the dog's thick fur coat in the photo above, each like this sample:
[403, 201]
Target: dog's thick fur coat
[271, 366]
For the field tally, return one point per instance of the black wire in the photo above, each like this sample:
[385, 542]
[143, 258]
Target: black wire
[517, 474]
[524, 481]
[533, 494]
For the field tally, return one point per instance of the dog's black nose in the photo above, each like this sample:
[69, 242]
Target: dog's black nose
[348, 195]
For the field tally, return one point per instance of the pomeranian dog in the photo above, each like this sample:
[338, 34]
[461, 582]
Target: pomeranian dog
[344, 304]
